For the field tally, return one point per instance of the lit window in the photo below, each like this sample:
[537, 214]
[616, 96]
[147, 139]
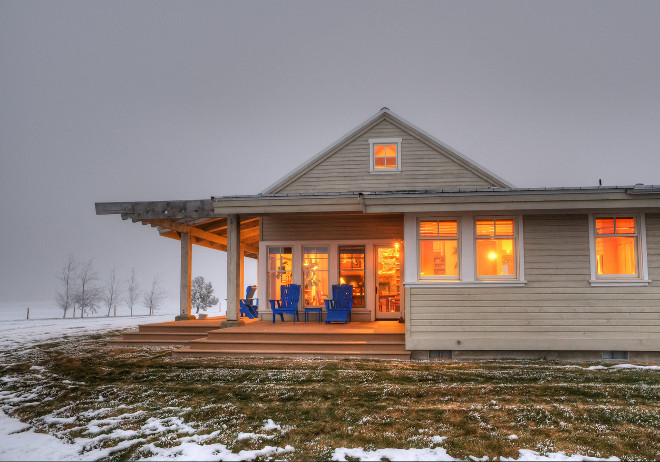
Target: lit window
[616, 246]
[351, 271]
[496, 248]
[315, 275]
[280, 267]
[438, 248]
[385, 155]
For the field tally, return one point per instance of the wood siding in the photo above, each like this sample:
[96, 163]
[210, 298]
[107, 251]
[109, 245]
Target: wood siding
[422, 167]
[319, 227]
[557, 309]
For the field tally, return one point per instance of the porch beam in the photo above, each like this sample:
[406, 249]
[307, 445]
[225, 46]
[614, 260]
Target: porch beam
[198, 233]
[234, 264]
[185, 307]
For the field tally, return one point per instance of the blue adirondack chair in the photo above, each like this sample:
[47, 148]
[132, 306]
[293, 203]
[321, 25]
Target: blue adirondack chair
[250, 305]
[339, 308]
[288, 302]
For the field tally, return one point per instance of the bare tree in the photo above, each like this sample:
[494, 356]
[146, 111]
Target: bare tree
[132, 290]
[88, 295]
[113, 290]
[202, 294]
[67, 276]
[153, 297]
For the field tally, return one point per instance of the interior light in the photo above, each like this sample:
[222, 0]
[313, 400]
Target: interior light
[492, 255]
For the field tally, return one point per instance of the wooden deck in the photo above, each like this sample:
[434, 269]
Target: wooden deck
[379, 339]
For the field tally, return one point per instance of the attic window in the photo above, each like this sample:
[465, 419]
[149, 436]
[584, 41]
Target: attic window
[385, 155]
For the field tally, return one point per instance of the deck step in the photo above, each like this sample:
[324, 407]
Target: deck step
[236, 334]
[146, 342]
[187, 352]
[298, 346]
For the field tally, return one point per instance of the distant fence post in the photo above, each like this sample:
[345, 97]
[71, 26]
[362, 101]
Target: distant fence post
[115, 310]
[74, 311]
[28, 312]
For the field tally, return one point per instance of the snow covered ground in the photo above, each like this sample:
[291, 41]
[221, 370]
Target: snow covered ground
[48, 310]
[20, 441]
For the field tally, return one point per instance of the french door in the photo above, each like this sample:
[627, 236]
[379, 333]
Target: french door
[388, 281]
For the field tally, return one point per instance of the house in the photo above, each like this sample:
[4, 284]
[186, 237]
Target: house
[475, 266]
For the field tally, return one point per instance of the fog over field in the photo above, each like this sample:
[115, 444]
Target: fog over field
[135, 101]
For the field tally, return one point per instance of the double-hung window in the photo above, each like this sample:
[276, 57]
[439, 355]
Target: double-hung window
[495, 248]
[617, 249]
[438, 249]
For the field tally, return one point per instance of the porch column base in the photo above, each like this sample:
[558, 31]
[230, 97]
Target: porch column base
[183, 317]
[237, 323]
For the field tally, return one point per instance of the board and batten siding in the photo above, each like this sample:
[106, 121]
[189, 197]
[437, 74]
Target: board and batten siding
[320, 227]
[422, 167]
[557, 310]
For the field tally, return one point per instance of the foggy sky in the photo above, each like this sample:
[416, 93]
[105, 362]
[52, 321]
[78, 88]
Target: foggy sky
[132, 101]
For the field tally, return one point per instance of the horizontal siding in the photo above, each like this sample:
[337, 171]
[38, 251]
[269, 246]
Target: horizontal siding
[422, 168]
[557, 309]
[318, 227]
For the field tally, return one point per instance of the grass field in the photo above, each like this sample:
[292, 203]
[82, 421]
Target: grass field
[134, 403]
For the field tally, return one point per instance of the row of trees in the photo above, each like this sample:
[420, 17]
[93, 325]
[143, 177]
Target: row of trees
[81, 289]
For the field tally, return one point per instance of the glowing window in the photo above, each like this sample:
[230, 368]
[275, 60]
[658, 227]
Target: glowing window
[385, 155]
[315, 275]
[351, 271]
[616, 246]
[496, 248]
[280, 267]
[438, 249]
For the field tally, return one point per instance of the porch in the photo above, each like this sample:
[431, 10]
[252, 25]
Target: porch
[369, 340]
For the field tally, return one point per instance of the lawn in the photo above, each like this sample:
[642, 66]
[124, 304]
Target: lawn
[130, 403]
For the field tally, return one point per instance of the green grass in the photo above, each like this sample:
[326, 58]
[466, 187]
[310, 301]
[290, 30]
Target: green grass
[325, 404]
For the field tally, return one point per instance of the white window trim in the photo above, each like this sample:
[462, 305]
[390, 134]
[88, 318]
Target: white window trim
[642, 278]
[418, 239]
[467, 244]
[380, 171]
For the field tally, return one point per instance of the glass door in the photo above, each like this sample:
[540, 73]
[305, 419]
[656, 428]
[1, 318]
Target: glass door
[388, 282]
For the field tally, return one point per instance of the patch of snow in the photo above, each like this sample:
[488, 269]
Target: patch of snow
[438, 439]
[247, 436]
[214, 452]
[26, 333]
[270, 425]
[635, 366]
[526, 454]
[423, 454]
[513, 437]
[616, 366]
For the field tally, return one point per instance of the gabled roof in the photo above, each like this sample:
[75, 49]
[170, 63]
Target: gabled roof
[386, 114]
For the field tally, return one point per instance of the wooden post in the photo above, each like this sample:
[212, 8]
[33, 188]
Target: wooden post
[234, 266]
[28, 312]
[74, 311]
[241, 278]
[186, 276]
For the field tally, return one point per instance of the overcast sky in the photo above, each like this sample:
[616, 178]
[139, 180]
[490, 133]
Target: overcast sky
[129, 101]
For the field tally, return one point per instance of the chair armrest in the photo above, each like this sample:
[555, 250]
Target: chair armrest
[275, 302]
[329, 304]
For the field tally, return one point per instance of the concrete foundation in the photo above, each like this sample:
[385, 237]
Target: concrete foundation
[633, 356]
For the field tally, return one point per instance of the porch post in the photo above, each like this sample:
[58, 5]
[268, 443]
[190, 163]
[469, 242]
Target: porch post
[241, 278]
[186, 270]
[234, 265]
